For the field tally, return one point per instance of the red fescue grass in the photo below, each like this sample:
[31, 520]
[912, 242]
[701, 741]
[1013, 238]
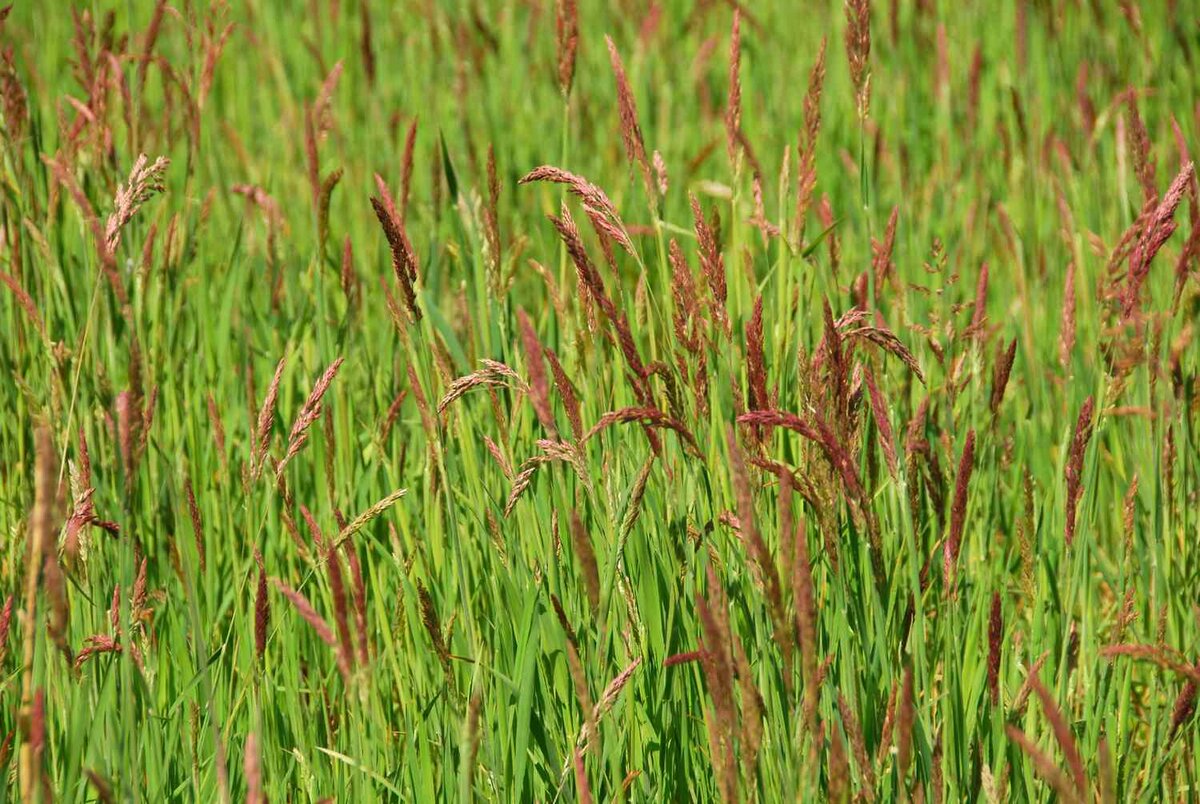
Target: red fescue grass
[1001, 374]
[631, 127]
[1074, 466]
[958, 512]
[1157, 230]
[858, 52]
[733, 106]
[262, 610]
[995, 640]
[806, 148]
[566, 26]
[404, 260]
[535, 365]
[319, 625]
[844, 397]
[1070, 787]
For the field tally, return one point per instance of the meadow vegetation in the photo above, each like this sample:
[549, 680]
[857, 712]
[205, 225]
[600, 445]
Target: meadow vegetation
[656, 400]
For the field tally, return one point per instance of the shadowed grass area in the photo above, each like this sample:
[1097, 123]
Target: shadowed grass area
[443, 401]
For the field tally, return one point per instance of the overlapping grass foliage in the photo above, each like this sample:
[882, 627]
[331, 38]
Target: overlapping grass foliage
[796, 402]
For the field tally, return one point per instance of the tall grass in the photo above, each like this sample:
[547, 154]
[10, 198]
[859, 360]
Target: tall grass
[418, 402]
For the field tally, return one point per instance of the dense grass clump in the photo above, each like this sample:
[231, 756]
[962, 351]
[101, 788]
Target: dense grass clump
[535, 400]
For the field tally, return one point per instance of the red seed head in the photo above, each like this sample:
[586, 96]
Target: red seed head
[995, 637]
[539, 386]
[631, 128]
[733, 108]
[806, 169]
[1074, 468]
[567, 30]
[858, 52]
[1185, 704]
[756, 369]
[958, 510]
[1001, 374]
[1066, 332]
[262, 613]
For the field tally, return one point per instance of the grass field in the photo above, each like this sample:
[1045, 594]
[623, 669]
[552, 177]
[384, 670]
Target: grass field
[792, 403]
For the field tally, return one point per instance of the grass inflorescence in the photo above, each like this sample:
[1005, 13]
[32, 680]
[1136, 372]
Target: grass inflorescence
[535, 401]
